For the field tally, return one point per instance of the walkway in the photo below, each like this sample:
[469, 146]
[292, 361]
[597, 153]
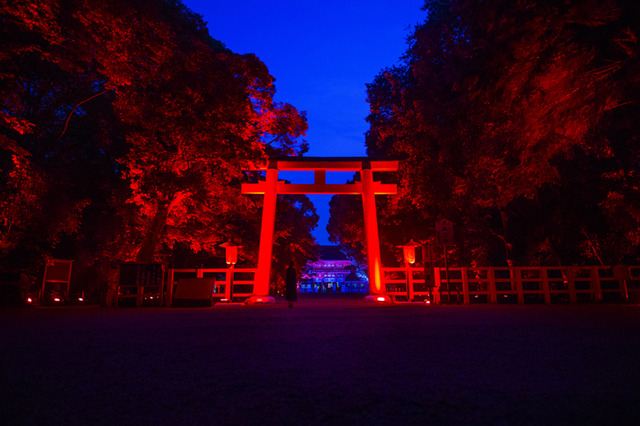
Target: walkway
[326, 361]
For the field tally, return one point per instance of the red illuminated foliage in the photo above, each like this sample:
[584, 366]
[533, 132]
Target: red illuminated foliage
[513, 115]
[21, 194]
[195, 125]
[41, 200]
[131, 125]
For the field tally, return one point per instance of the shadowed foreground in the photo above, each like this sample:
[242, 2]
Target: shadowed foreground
[326, 361]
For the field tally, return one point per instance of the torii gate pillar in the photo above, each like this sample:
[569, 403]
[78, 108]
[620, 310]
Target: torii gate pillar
[371, 230]
[367, 187]
[265, 253]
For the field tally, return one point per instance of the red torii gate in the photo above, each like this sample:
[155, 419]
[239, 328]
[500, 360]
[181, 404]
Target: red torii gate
[367, 187]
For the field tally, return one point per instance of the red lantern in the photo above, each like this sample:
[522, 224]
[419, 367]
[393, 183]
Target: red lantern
[409, 252]
[231, 252]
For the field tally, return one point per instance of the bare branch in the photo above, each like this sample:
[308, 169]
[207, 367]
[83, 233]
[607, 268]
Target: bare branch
[66, 123]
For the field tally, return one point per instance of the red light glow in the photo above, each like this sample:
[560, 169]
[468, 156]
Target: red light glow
[232, 255]
[368, 188]
[56, 299]
[371, 231]
[409, 253]
[29, 300]
[380, 299]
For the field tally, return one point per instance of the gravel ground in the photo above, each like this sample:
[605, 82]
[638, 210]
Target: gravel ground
[326, 361]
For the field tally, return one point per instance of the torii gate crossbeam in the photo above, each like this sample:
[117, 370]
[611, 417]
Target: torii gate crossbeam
[367, 187]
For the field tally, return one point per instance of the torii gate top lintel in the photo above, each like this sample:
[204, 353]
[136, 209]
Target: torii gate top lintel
[320, 165]
[335, 164]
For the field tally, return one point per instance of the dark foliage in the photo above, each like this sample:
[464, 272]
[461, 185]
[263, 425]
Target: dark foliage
[516, 121]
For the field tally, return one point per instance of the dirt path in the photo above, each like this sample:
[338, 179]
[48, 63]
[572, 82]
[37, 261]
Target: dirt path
[326, 361]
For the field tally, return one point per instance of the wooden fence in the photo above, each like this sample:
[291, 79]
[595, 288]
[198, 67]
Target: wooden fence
[243, 280]
[570, 284]
[517, 285]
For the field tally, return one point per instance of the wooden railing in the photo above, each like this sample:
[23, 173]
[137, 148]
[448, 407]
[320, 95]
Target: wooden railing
[521, 285]
[242, 287]
[570, 284]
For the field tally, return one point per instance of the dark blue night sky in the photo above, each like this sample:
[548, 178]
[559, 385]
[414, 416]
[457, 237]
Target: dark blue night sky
[322, 55]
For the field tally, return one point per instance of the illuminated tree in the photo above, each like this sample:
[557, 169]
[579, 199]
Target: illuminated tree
[196, 124]
[47, 174]
[514, 120]
[133, 122]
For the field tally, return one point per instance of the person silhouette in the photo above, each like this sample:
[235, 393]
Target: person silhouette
[291, 285]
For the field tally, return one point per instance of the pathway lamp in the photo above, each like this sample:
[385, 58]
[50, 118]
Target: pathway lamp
[409, 252]
[231, 252]
[409, 256]
[231, 257]
[427, 263]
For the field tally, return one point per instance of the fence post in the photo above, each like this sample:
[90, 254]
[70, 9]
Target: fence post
[571, 284]
[595, 278]
[436, 283]
[516, 281]
[465, 286]
[493, 295]
[139, 295]
[545, 285]
[409, 273]
[228, 282]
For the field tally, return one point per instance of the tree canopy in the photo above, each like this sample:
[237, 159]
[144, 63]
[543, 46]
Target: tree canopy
[125, 129]
[515, 121]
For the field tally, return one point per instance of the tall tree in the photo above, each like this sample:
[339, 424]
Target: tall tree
[198, 122]
[43, 80]
[514, 119]
[136, 90]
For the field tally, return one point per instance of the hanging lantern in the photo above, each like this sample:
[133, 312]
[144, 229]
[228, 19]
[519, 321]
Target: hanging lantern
[409, 252]
[231, 252]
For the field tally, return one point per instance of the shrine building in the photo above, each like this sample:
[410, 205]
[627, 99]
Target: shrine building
[332, 273]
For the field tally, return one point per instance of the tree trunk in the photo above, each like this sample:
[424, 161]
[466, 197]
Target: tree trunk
[507, 250]
[153, 233]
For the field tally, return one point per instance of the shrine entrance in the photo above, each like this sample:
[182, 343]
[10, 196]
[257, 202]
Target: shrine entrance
[367, 187]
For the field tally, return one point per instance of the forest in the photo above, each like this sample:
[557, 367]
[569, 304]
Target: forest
[517, 120]
[126, 131]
